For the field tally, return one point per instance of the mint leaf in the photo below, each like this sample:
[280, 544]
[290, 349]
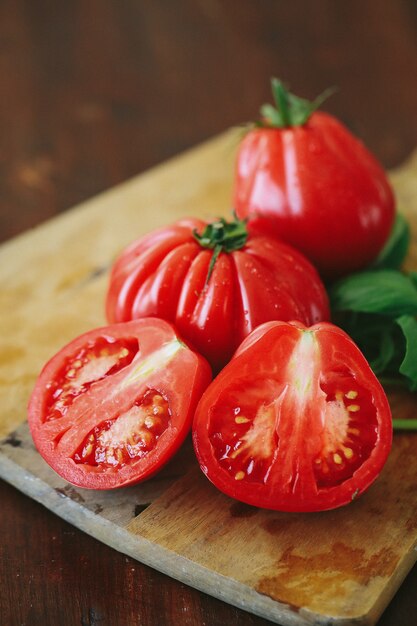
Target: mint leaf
[385, 355]
[396, 248]
[408, 367]
[386, 292]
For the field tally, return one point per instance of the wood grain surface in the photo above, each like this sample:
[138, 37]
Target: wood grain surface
[94, 92]
[295, 569]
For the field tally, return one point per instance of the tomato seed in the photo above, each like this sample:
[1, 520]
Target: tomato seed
[353, 408]
[351, 395]
[337, 459]
[353, 431]
[241, 420]
[87, 450]
[240, 475]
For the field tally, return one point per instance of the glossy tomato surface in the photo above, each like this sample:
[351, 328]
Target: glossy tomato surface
[319, 189]
[113, 406]
[297, 421]
[165, 273]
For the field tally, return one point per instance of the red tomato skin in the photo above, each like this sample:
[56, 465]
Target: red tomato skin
[181, 383]
[253, 358]
[164, 274]
[319, 189]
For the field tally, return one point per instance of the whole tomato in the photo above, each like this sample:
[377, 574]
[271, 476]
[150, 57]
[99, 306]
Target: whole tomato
[215, 282]
[302, 175]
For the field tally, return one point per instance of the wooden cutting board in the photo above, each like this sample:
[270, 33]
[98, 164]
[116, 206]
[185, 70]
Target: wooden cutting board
[339, 567]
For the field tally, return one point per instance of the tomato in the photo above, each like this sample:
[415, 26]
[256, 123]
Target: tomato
[317, 187]
[297, 421]
[215, 283]
[113, 406]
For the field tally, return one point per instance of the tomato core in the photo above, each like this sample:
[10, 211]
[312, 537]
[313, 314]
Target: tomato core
[350, 431]
[328, 410]
[128, 436]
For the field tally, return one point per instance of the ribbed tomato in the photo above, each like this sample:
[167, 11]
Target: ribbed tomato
[215, 283]
[113, 406]
[303, 176]
[297, 421]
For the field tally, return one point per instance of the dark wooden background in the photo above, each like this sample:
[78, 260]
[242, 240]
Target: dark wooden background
[93, 92]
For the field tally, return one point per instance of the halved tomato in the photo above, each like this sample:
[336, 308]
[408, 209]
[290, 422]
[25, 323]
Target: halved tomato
[113, 406]
[297, 421]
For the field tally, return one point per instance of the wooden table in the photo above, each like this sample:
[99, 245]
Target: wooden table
[93, 92]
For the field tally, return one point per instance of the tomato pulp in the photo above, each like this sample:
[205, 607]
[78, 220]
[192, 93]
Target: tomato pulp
[216, 287]
[297, 421]
[318, 188]
[113, 406]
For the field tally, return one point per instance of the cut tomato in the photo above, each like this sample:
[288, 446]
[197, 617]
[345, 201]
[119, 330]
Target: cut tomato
[114, 405]
[296, 422]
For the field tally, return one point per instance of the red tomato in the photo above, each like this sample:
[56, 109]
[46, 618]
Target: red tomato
[319, 189]
[113, 406]
[254, 279]
[297, 421]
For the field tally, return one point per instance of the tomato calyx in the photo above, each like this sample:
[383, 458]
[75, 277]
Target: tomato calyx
[222, 236]
[289, 109]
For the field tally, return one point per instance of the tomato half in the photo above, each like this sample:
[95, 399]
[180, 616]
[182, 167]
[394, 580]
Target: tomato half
[215, 287]
[113, 406]
[318, 188]
[297, 421]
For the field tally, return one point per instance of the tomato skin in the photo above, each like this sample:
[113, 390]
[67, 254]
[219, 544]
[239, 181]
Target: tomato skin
[319, 189]
[177, 379]
[314, 449]
[164, 274]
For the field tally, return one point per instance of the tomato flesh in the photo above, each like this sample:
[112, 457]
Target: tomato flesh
[296, 422]
[114, 405]
[92, 363]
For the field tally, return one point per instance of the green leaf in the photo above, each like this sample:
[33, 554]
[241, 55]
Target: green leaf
[272, 115]
[289, 109]
[408, 367]
[396, 248]
[387, 292]
[413, 277]
[280, 94]
[385, 354]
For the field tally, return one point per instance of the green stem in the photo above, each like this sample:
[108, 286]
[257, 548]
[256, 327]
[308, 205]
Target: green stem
[404, 424]
[289, 110]
[222, 236]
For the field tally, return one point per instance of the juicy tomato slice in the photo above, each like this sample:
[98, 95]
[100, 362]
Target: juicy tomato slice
[113, 406]
[296, 422]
